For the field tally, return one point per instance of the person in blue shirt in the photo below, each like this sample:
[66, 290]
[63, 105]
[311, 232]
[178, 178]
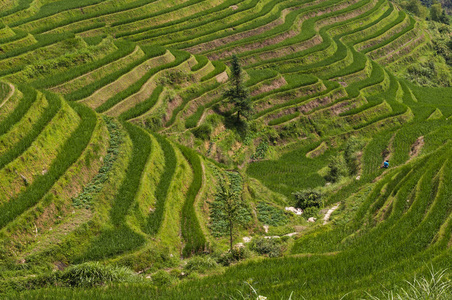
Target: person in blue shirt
[386, 164]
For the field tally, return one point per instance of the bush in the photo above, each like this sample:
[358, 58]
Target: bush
[236, 254]
[201, 264]
[264, 246]
[162, 278]
[202, 132]
[307, 198]
[94, 274]
[337, 168]
[310, 212]
[351, 154]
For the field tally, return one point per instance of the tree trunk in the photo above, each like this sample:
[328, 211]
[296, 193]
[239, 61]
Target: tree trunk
[238, 116]
[230, 234]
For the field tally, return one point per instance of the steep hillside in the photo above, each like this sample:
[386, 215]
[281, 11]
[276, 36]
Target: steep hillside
[116, 139]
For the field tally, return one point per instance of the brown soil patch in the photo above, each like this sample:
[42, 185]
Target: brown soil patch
[223, 77]
[171, 106]
[10, 94]
[239, 36]
[402, 50]
[317, 151]
[416, 147]
[275, 84]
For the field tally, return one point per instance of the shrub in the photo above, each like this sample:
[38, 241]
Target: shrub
[264, 246]
[94, 274]
[310, 212]
[351, 154]
[200, 263]
[337, 168]
[162, 278]
[307, 198]
[202, 132]
[236, 254]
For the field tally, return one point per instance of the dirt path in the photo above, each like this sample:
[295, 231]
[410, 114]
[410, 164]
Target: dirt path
[327, 216]
[11, 93]
[416, 147]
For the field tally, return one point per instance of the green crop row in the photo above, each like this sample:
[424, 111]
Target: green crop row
[4, 91]
[329, 85]
[155, 219]
[55, 7]
[88, 14]
[136, 86]
[283, 119]
[91, 88]
[69, 153]
[392, 37]
[121, 238]
[219, 68]
[29, 96]
[195, 242]
[308, 31]
[178, 35]
[202, 62]
[124, 49]
[143, 107]
[188, 96]
[27, 140]
[21, 5]
[18, 35]
[315, 55]
[193, 19]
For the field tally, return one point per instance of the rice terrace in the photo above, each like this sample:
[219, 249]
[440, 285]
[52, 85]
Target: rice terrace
[225, 149]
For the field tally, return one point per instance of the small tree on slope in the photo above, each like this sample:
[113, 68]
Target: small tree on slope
[237, 94]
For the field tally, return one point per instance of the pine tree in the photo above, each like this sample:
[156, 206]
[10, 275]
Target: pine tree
[237, 94]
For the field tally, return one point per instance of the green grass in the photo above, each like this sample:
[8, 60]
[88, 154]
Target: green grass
[191, 230]
[121, 238]
[69, 153]
[154, 220]
[142, 107]
[26, 141]
[92, 87]
[25, 104]
[292, 172]
[124, 49]
[136, 86]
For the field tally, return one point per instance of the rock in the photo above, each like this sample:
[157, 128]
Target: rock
[297, 211]
[247, 239]
[358, 177]
[266, 228]
[24, 179]
[312, 219]
[239, 245]
[291, 234]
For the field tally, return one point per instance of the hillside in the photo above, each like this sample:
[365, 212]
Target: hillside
[116, 139]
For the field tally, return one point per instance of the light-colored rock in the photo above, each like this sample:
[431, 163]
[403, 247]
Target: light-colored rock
[247, 239]
[239, 245]
[297, 211]
[312, 219]
[291, 234]
[358, 177]
[266, 228]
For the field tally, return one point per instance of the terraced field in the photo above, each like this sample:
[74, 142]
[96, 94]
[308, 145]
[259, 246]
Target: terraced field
[115, 135]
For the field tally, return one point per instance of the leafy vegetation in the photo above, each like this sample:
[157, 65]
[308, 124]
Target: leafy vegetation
[172, 186]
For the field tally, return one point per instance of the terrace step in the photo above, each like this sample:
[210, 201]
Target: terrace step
[104, 93]
[37, 159]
